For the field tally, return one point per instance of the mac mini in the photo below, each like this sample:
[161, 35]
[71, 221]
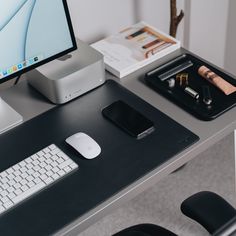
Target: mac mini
[70, 76]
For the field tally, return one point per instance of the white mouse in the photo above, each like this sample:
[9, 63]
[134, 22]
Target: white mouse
[85, 145]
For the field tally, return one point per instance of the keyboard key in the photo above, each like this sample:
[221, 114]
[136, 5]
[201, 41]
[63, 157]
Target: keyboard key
[48, 180]
[67, 169]
[16, 173]
[36, 162]
[36, 168]
[10, 190]
[23, 182]
[22, 163]
[23, 169]
[4, 193]
[61, 172]
[30, 172]
[49, 173]
[63, 155]
[60, 160]
[10, 171]
[8, 204]
[52, 147]
[55, 151]
[55, 176]
[29, 166]
[5, 186]
[4, 180]
[55, 169]
[16, 167]
[18, 178]
[49, 161]
[11, 195]
[11, 182]
[41, 153]
[48, 155]
[29, 178]
[48, 167]
[24, 188]
[64, 164]
[55, 157]
[17, 185]
[42, 171]
[3, 174]
[30, 184]
[18, 191]
[73, 165]
[37, 180]
[4, 199]
[42, 164]
[43, 177]
[46, 150]
[36, 174]
[11, 176]
[24, 175]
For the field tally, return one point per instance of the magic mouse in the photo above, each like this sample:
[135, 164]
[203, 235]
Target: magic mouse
[85, 145]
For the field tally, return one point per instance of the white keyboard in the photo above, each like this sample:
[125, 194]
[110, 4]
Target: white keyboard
[32, 175]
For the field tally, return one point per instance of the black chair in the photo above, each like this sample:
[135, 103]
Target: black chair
[210, 210]
[145, 230]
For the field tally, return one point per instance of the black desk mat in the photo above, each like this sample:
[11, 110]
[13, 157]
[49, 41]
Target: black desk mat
[123, 159]
[220, 102]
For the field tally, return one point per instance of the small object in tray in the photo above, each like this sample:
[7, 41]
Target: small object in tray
[182, 79]
[207, 99]
[171, 82]
[216, 80]
[192, 92]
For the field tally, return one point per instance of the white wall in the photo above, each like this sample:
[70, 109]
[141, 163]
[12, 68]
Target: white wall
[230, 52]
[94, 20]
[207, 29]
[203, 29]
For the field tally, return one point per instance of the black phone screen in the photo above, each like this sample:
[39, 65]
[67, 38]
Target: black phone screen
[128, 119]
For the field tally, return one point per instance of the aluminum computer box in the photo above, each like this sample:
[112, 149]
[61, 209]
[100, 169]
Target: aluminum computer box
[69, 76]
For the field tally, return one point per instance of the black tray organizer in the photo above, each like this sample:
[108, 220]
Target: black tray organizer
[220, 102]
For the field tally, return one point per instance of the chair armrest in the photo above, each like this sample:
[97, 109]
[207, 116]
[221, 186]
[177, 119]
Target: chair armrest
[208, 209]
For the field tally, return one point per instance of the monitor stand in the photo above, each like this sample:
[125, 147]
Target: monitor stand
[9, 118]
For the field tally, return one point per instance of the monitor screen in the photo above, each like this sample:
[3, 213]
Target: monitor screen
[32, 33]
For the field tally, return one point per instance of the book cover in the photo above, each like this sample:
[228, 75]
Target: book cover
[134, 47]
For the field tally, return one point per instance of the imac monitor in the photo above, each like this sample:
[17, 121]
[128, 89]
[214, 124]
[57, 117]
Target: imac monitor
[32, 33]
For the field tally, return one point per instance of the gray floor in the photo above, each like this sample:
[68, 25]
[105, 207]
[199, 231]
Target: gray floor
[213, 170]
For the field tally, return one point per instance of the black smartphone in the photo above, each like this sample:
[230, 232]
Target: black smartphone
[128, 119]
